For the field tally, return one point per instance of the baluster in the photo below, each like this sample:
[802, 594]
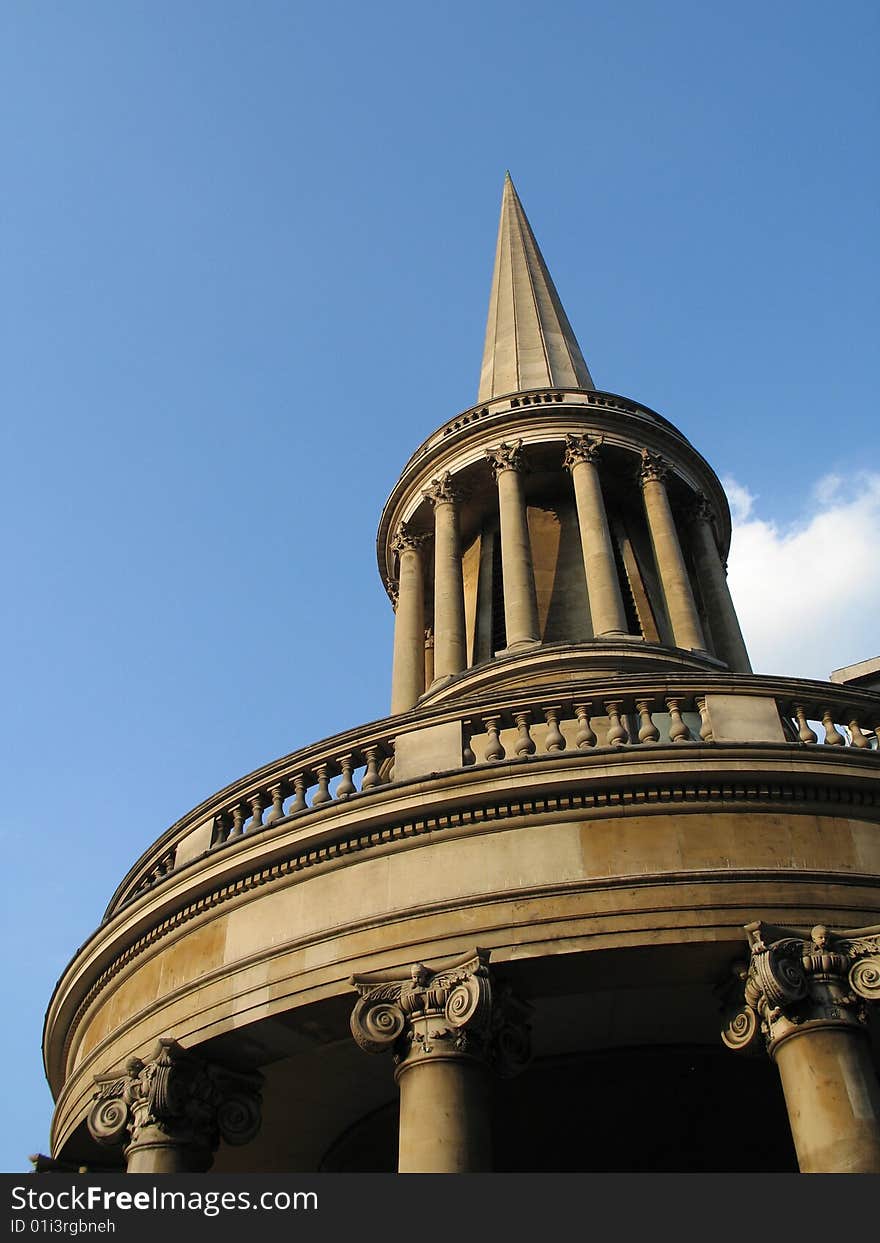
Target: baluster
[649, 731]
[705, 724]
[346, 785]
[858, 738]
[237, 822]
[495, 749]
[371, 776]
[678, 731]
[555, 740]
[277, 792]
[832, 737]
[256, 802]
[322, 794]
[467, 751]
[524, 744]
[585, 737]
[805, 734]
[299, 794]
[617, 735]
[221, 829]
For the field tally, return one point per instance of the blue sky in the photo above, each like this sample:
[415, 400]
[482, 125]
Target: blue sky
[246, 253]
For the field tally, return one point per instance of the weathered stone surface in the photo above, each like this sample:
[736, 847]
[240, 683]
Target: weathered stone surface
[744, 718]
[434, 749]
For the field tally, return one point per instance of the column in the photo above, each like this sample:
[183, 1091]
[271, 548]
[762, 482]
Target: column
[450, 640]
[712, 577]
[603, 588]
[171, 1111]
[808, 995]
[408, 668]
[683, 617]
[447, 1028]
[429, 656]
[520, 600]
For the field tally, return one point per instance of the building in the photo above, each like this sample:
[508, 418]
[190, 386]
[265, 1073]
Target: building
[592, 897]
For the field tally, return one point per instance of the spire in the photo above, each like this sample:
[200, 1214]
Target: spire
[529, 341]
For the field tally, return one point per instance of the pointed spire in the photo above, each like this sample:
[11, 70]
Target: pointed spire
[529, 341]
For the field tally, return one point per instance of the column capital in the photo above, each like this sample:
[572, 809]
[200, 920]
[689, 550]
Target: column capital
[175, 1099]
[654, 468]
[455, 1012]
[796, 980]
[407, 540]
[506, 457]
[581, 449]
[444, 491]
[392, 586]
[699, 509]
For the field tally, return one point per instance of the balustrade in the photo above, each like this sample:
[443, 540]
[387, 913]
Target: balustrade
[628, 714]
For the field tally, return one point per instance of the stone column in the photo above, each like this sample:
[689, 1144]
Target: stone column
[807, 994]
[408, 668]
[171, 1111]
[600, 569]
[447, 1027]
[712, 576]
[429, 656]
[683, 617]
[450, 639]
[520, 599]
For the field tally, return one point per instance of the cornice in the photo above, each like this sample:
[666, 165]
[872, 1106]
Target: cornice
[494, 932]
[653, 781]
[544, 418]
[468, 694]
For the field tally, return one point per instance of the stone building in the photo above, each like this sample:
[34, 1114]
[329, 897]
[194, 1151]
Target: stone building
[593, 897]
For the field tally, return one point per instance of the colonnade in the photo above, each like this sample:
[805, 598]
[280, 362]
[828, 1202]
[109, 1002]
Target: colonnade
[413, 674]
[451, 1028]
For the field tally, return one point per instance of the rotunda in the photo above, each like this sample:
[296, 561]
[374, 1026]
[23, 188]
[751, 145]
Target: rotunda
[594, 896]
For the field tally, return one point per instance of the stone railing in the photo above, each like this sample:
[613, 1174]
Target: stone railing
[681, 710]
[593, 398]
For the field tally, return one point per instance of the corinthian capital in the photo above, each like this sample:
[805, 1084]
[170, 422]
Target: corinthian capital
[454, 1011]
[405, 539]
[506, 457]
[443, 490]
[793, 979]
[654, 468]
[581, 449]
[700, 509]
[176, 1098]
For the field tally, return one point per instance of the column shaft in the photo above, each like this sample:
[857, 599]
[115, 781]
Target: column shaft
[444, 1118]
[833, 1100]
[450, 642]
[603, 588]
[716, 593]
[680, 605]
[408, 667]
[520, 598]
[162, 1158]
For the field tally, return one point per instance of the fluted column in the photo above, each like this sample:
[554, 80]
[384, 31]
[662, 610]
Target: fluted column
[712, 577]
[680, 605]
[808, 995]
[600, 570]
[408, 667]
[450, 639]
[520, 598]
[447, 1028]
[171, 1112]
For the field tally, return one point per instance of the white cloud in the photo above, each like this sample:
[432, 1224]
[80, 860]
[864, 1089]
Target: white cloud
[808, 594]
